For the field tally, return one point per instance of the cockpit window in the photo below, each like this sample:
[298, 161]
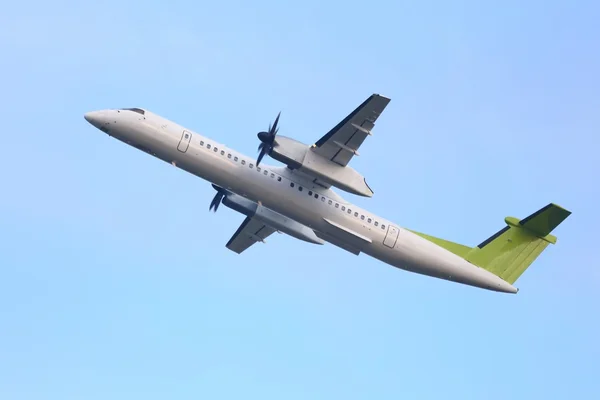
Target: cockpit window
[137, 110]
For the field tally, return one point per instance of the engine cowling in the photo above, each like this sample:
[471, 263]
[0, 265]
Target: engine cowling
[271, 218]
[289, 151]
[297, 155]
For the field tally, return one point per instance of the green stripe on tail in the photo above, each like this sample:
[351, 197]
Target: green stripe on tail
[511, 250]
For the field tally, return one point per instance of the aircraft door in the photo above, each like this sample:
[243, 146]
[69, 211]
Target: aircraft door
[391, 236]
[184, 142]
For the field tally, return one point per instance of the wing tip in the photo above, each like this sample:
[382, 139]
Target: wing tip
[381, 96]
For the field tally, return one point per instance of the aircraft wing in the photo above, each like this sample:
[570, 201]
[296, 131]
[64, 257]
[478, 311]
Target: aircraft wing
[250, 231]
[341, 143]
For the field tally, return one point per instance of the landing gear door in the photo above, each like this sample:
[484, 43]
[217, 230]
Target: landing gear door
[391, 236]
[184, 143]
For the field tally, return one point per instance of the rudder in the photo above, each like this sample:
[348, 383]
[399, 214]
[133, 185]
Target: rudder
[510, 251]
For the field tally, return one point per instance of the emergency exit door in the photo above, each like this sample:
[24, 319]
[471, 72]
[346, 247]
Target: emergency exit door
[391, 236]
[184, 143]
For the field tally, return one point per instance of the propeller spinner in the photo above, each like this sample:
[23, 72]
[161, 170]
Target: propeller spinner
[267, 140]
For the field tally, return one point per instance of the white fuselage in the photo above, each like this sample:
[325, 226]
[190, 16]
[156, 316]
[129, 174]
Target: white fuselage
[292, 195]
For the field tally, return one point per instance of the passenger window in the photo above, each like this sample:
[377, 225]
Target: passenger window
[222, 152]
[356, 214]
[235, 158]
[337, 205]
[382, 226]
[376, 223]
[300, 188]
[292, 184]
[369, 220]
[278, 179]
[215, 149]
[272, 175]
[243, 162]
[330, 202]
[266, 172]
[229, 155]
[258, 169]
[349, 211]
[251, 166]
[316, 195]
[201, 143]
[310, 192]
[208, 146]
[323, 199]
[362, 217]
[343, 208]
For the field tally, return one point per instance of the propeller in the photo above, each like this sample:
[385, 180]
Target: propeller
[218, 197]
[267, 140]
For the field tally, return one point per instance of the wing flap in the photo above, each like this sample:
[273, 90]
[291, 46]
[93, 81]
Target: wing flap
[347, 235]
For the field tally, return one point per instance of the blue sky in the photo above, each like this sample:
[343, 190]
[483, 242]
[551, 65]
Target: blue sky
[115, 280]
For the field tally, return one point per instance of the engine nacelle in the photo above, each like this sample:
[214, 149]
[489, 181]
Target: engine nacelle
[271, 218]
[297, 155]
[289, 151]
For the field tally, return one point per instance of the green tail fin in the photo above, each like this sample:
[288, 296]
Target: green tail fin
[511, 250]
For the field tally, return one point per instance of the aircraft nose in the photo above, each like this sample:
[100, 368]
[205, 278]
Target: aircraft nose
[96, 118]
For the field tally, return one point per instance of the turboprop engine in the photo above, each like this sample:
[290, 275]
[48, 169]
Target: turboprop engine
[299, 156]
[264, 214]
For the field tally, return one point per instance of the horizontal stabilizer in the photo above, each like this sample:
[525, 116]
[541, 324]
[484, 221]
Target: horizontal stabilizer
[543, 221]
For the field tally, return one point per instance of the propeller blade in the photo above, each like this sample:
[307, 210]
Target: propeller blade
[214, 203]
[217, 199]
[275, 125]
[260, 157]
[267, 139]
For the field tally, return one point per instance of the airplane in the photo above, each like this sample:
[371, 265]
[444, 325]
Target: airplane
[298, 198]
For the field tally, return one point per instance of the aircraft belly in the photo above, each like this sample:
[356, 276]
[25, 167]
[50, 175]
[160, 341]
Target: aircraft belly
[415, 254]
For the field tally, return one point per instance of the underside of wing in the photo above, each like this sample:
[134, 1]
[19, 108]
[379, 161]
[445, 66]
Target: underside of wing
[250, 231]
